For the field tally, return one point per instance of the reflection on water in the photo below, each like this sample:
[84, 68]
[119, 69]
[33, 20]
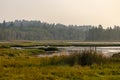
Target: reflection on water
[107, 51]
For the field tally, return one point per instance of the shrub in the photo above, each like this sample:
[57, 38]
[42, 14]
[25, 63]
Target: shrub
[4, 46]
[91, 57]
[117, 55]
[81, 58]
[49, 49]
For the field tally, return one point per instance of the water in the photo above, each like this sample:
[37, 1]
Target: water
[107, 51]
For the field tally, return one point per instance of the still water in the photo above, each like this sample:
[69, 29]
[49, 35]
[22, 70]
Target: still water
[106, 51]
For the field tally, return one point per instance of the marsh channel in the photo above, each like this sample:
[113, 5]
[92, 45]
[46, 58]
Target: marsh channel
[107, 51]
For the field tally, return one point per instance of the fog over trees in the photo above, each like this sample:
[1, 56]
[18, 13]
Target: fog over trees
[37, 30]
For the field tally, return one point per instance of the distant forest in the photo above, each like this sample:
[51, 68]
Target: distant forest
[37, 30]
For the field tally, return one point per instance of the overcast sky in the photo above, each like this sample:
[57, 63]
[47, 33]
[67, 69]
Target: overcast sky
[80, 12]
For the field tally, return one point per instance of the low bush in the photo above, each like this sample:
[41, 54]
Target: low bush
[4, 46]
[91, 57]
[117, 55]
[49, 48]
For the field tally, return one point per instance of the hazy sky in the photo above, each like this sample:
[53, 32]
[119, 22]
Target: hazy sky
[80, 12]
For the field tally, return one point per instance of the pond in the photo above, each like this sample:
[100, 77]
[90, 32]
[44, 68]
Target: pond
[107, 51]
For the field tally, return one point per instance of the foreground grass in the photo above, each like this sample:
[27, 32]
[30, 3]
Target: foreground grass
[30, 68]
[22, 65]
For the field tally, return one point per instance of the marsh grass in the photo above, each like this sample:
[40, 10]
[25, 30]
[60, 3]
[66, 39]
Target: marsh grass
[12, 52]
[85, 65]
[30, 68]
[20, 52]
[81, 58]
[34, 51]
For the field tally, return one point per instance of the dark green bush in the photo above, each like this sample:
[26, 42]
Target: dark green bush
[4, 46]
[91, 57]
[117, 55]
[49, 48]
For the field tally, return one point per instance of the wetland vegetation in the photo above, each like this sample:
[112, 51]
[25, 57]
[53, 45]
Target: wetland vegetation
[22, 64]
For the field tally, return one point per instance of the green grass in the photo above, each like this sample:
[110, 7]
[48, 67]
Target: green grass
[25, 43]
[21, 64]
[20, 52]
[34, 51]
[82, 58]
[12, 52]
[29, 68]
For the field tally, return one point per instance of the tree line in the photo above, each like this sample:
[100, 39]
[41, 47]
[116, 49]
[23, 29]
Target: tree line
[37, 30]
[101, 34]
